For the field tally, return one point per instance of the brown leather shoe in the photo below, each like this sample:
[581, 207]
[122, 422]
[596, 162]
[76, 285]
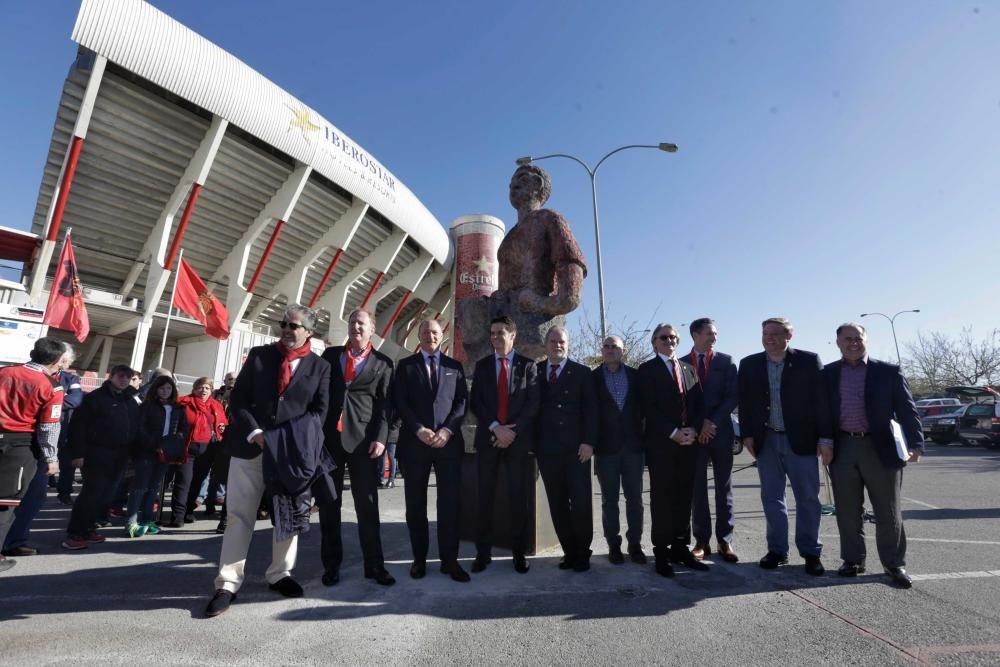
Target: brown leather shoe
[727, 553]
[701, 550]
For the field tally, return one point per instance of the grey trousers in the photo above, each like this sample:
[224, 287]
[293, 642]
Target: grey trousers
[856, 467]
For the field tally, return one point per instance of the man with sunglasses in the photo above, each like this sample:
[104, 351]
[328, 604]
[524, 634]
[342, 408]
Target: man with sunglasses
[278, 383]
[785, 424]
[357, 429]
[673, 409]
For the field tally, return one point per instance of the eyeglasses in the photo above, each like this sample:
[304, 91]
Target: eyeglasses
[292, 326]
[665, 338]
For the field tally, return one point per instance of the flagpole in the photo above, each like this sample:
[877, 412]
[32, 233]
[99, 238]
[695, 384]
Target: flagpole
[170, 308]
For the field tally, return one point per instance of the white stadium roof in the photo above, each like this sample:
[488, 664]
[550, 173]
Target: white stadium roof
[164, 117]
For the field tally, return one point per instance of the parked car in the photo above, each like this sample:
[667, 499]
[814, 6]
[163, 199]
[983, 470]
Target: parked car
[980, 423]
[943, 429]
[928, 407]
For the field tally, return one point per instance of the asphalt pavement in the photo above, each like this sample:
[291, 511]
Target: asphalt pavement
[141, 601]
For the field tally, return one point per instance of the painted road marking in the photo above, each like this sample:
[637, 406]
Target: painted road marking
[921, 503]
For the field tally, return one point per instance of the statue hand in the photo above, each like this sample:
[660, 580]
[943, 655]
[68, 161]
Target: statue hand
[531, 301]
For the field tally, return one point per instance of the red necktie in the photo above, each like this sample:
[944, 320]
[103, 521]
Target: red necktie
[553, 375]
[502, 392]
[680, 390]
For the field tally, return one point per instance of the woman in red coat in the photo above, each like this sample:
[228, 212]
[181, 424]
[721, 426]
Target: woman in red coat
[207, 418]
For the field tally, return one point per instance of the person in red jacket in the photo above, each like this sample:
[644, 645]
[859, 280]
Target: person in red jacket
[30, 408]
[207, 418]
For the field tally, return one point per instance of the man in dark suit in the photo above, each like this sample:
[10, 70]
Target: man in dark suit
[865, 395]
[673, 411]
[430, 396]
[717, 376]
[620, 457]
[357, 428]
[784, 423]
[565, 431]
[278, 383]
[504, 399]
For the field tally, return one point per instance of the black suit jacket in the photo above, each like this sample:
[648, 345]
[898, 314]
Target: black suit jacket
[804, 405]
[617, 429]
[887, 396]
[662, 403]
[255, 404]
[567, 413]
[522, 405]
[365, 404]
[721, 396]
[417, 406]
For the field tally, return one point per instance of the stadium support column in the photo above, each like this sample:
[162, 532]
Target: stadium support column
[337, 238]
[234, 266]
[335, 299]
[158, 249]
[57, 206]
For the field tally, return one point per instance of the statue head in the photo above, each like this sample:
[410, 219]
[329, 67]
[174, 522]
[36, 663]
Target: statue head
[530, 187]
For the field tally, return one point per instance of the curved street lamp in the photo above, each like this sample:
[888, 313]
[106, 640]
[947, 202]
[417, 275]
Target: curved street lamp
[663, 146]
[892, 324]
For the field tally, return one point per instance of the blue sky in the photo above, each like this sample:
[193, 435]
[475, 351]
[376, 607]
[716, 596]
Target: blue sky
[835, 158]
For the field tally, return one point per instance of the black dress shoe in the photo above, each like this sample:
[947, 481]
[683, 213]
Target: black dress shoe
[189, 518]
[418, 569]
[22, 550]
[664, 569]
[899, 577]
[221, 528]
[566, 563]
[455, 571]
[616, 556]
[287, 587]
[521, 564]
[771, 560]
[687, 559]
[635, 553]
[581, 564]
[331, 578]
[814, 566]
[220, 603]
[481, 563]
[380, 575]
[851, 569]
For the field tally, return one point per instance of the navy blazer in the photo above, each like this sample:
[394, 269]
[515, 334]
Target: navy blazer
[887, 396]
[416, 406]
[365, 404]
[804, 404]
[522, 405]
[567, 412]
[663, 405]
[617, 429]
[721, 396]
[255, 404]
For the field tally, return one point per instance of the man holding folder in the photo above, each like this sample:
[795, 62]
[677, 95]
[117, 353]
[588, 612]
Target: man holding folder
[866, 395]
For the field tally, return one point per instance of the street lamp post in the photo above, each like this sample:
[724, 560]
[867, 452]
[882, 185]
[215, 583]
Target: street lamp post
[663, 146]
[892, 324]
